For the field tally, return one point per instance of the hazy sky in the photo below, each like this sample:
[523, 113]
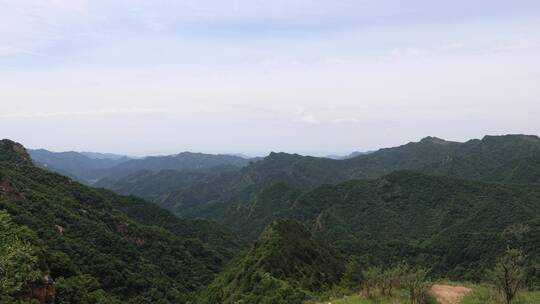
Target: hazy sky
[253, 76]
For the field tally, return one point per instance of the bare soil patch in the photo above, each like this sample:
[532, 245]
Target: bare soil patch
[448, 294]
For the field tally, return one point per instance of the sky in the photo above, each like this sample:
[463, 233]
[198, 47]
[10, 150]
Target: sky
[251, 76]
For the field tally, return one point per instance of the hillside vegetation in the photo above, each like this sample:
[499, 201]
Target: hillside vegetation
[511, 158]
[82, 245]
[285, 265]
[445, 209]
[455, 226]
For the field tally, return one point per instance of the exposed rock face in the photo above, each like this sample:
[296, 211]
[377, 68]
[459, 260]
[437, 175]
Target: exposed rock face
[123, 230]
[7, 191]
[60, 229]
[45, 292]
[13, 151]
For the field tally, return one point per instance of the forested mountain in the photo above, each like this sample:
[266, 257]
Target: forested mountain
[493, 158]
[428, 219]
[512, 158]
[84, 245]
[185, 161]
[455, 227]
[80, 166]
[104, 169]
[451, 207]
[160, 187]
[203, 194]
[285, 265]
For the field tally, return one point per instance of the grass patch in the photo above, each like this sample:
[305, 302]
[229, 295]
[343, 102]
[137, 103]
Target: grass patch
[483, 294]
[398, 297]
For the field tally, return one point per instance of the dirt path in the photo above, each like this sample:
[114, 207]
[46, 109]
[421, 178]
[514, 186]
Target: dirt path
[448, 294]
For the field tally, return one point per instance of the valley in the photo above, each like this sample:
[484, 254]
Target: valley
[269, 152]
[281, 229]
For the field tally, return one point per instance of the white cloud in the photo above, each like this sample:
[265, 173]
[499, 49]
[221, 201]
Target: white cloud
[425, 51]
[96, 112]
[348, 120]
[309, 119]
[518, 45]
[208, 74]
[332, 61]
[10, 50]
[410, 52]
[456, 45]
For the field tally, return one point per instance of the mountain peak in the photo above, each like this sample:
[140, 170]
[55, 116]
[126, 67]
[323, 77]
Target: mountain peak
[285, 255]
[434, 140]
[284, 228]
[13, 151]
[283, 155]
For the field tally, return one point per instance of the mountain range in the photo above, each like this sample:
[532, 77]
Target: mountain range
[281, 229]
[90, 167]
[419, 199]
[79, 166]
[512, 158]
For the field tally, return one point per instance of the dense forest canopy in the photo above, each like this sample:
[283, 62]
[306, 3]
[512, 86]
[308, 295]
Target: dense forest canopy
[282, 229]
[97, 246]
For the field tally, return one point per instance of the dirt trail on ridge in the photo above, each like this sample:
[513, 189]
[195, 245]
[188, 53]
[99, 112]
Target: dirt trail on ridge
[448, 294]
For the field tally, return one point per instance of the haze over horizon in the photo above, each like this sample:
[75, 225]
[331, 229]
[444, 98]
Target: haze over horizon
[310, 77]
[405, 139]
[245, 155]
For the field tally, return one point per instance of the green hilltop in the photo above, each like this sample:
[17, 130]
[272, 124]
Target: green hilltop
[285, 265]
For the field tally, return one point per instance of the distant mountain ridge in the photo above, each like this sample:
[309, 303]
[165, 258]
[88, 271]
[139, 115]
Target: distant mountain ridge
[90, 167]
[178, 162]
[97, 155]
[76, 165]
[511, 158]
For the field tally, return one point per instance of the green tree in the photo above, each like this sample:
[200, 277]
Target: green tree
[392, 278]
[372, 280]
[416, 282]
[18, 259]
[509, 274]
[81, 289]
